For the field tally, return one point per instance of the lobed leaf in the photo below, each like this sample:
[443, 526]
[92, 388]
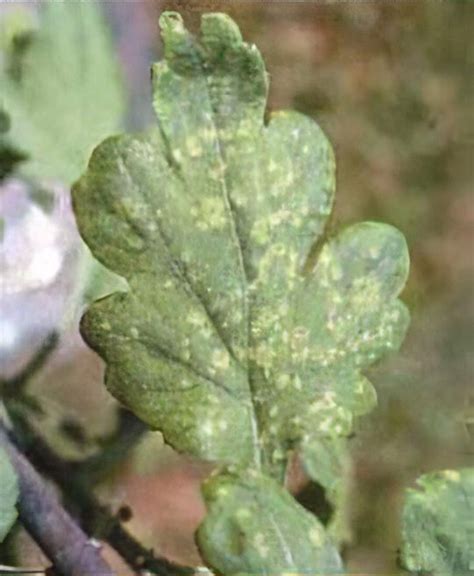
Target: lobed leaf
[8, 495]
[228, 339]
[221, 341]
[438, 524]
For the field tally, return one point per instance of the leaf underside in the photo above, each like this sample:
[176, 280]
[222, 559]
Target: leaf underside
[8, 495]
[438, 524]
[227, 340]
[61, 88]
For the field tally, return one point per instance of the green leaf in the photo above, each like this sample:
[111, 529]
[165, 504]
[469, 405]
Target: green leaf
[8, 495]
[438, 524]
[221, 341]
[229, 340]
[61, 87]
[255, 527]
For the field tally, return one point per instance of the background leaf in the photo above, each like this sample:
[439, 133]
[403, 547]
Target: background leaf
[61, 87]
[438, 524]
[8, 495]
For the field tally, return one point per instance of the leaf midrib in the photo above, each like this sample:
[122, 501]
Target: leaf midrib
[254, 419]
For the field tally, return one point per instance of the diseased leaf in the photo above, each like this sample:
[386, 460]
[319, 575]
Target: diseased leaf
[228, 339]
[438, 524]
[8, 495]
[255, 527]
[221, 341]
[61, 87]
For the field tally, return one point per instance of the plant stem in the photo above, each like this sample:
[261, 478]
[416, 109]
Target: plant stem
[95, 518]
[64, 543]
[75, 479]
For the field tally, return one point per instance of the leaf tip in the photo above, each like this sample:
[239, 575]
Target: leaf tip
[219, 29]
[170, 21]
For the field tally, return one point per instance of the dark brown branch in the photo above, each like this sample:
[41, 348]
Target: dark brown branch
[95, 518]
[64, 543]
[75, 479]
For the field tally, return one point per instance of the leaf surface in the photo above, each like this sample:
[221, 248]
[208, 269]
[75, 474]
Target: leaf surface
[61, 87]
[438, 524]
[221, 341]
[254, 526]
[233, 338]
[8, 495]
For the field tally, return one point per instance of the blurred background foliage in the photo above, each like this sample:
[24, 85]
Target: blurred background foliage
[392, 86]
